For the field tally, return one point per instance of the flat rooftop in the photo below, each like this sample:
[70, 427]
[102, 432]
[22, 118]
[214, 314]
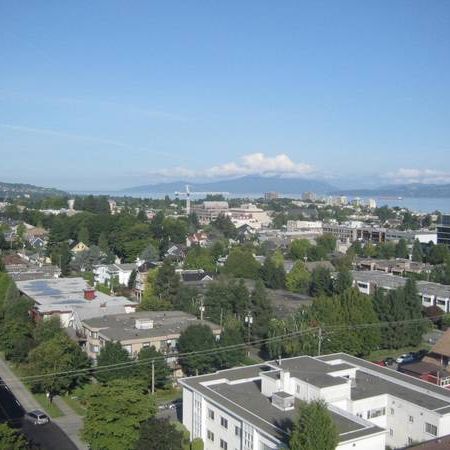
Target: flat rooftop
[66, 295]
[122, 327]
[239, 390]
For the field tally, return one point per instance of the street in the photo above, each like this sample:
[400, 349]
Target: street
[45, 437]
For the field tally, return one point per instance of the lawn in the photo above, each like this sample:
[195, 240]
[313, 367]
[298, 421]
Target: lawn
[168, 395]
[51, 408]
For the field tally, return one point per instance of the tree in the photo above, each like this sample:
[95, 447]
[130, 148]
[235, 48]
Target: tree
[401, 249]
[112, 353]
[321, 283]
[417, 251]
[144, 370]
[314, 428]
[11, 439]
[61, 256]
[103, 243]
[56, 355]
[150, 253]
[262, 309]
[159, 434]
[167, 282]
[46, 330]
[343, 282]
[114, 415]
[196, 338]
[241, 264]
[199, 258]
[327, 242]
[438, 254]
[300, 248]
[83, 235]
[273, 274]
[298, 279]
[232, 334]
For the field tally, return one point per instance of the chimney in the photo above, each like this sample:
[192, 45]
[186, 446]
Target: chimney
[89, 294]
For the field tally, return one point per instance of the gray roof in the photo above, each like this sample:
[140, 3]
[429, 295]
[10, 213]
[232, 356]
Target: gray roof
[121, 327]
[66, 295]
[246, 401]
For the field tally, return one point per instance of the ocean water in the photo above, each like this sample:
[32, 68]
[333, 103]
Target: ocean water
[423, 205]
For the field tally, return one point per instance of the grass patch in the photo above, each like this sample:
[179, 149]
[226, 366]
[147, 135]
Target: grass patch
[379, 355]
[167, 395]
[51, 408]
[74, 403]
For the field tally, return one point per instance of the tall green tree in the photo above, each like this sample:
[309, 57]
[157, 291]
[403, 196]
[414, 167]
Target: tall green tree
[159, 434]
[83, 235]
[298, 279]
[232, 335]
[321, 282]
[261, 307]
[343, 281]
[197, 338]
[417, 252]
[144, 370]
[401, 249]
[115, 412]
[113, 353]
[241, 264]
[314, 428]
[299, 248]
[51, 358]
[167, 282]
[273, 274]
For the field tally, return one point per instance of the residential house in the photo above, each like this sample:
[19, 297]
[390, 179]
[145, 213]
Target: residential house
[105, 273]
[79, 247]
[200, 238]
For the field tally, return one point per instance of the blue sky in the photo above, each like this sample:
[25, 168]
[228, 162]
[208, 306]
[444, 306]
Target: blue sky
[110, 94]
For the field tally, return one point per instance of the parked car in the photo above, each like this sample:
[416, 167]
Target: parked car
[389, 362]
[405, 358]
[37, 417]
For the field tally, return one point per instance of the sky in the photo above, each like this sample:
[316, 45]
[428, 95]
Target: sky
[111, 94]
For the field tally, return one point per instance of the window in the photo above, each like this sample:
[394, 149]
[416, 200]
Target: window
[411, 419]
[210, 435]
[376, 413]
[223, 445]
[224, 422]
[237, 431]
[391, 432]
[94, 334]
[297, 389]
[410, 441]
[431, 429]
[211, 414]
[392, 411]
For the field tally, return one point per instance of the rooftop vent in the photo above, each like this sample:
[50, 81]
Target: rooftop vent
[283, 401]
[144, 324]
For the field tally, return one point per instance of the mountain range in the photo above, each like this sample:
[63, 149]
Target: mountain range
[10, 190]
[412, 190]
[244, 185]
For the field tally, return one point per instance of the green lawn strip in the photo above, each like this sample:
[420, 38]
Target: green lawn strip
[167, 395]
[51, 408]
[75, 404]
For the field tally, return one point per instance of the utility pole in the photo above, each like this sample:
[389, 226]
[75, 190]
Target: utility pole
[319, 344]
[249, 321]
[201, 307]
[153, 376]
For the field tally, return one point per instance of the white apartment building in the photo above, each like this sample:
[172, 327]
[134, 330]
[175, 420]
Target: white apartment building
[253, 407]
[250, 214]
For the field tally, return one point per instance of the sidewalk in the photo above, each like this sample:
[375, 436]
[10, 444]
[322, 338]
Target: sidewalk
[71, 423]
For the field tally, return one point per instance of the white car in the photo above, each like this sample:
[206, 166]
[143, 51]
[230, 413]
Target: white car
[37, 417]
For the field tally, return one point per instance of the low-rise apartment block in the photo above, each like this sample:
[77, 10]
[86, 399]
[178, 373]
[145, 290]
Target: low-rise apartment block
[431, 294]
[135, 331]
[254, 407]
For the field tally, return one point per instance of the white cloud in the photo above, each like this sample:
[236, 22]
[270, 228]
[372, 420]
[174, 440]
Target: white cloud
[251, 164]
[430, 176]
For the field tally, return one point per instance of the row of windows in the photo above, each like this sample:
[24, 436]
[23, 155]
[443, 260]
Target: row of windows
[210, 436]
[223, 422]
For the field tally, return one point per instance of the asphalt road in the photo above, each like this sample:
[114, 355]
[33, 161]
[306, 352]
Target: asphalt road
[43, 437]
